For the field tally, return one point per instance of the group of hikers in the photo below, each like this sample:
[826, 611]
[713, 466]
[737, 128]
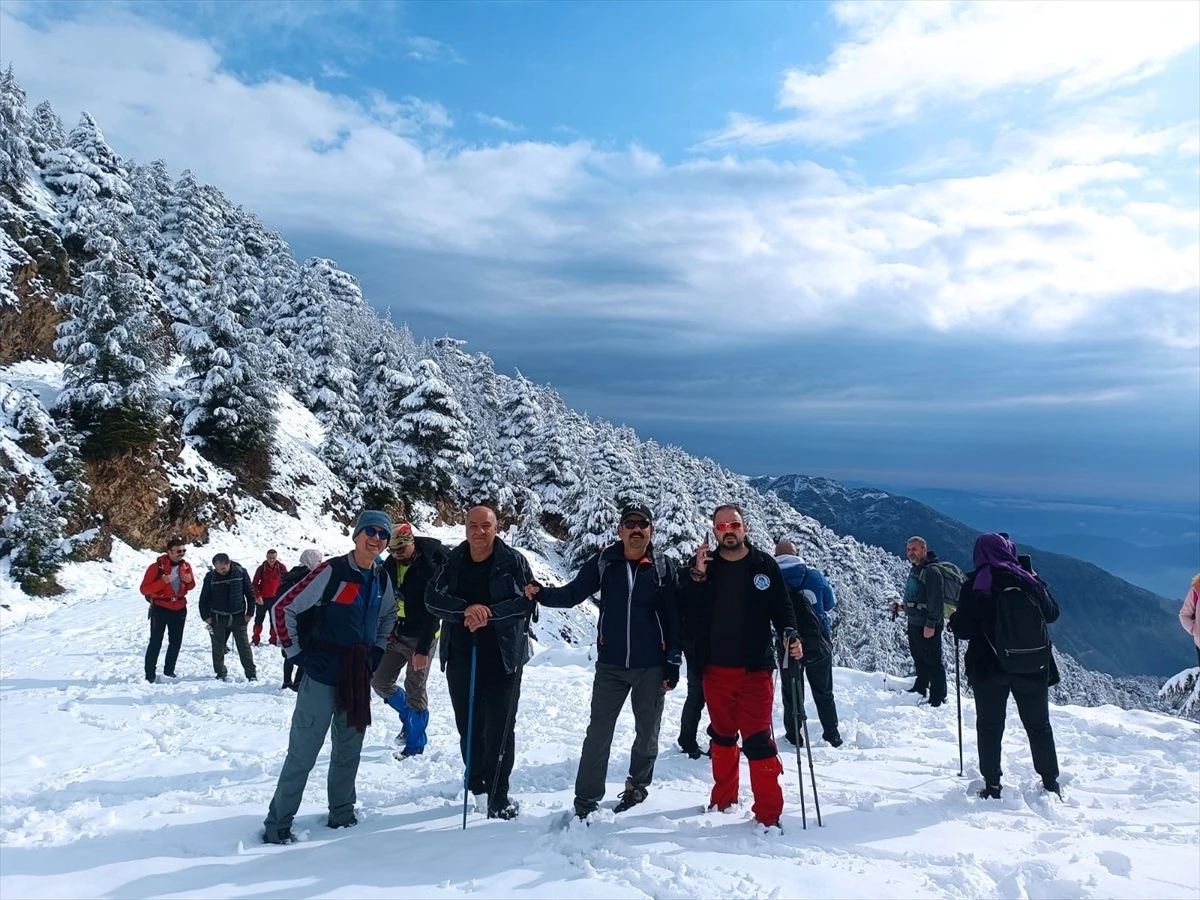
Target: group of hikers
[350, 625]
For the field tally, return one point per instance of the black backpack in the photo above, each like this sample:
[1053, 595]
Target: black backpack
[1022, 641]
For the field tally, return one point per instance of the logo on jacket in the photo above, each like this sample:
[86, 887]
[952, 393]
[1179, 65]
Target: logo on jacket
[762, 582]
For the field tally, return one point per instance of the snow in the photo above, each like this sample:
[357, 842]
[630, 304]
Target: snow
[110, 786]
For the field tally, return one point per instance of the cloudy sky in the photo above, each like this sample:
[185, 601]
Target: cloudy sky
[936, 244]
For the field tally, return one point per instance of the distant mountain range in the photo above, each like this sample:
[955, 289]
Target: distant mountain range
[1107, 623]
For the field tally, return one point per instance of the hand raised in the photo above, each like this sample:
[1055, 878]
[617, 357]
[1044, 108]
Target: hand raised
[703, 555]
[531, 591]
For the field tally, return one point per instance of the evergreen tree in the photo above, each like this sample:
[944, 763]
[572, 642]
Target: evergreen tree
[47, 133]
[16, 162]
[94, 184]
[434, 430]
[37, 552]
[551, 472]
[190, 235]
[151, 190]
[529, 528]
[376, 457]
[486, 484]
[73, 498]
[518, 422]
[592, 520]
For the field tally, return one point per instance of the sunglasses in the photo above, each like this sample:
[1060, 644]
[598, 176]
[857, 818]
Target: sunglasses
[631, 524]
[178, 550]
[379, 534]
[728, 526]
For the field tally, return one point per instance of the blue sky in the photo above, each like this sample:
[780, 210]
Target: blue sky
[942, 244]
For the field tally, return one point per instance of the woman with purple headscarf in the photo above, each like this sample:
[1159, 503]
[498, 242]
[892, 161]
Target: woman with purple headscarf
[998, 577]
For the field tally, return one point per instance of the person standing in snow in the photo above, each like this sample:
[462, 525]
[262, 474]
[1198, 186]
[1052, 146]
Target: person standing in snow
[165, 586]
[999, 578]
[736, 596]
[411, 563]
[1189, 614]
[309, 560]
[638, 645]
[479, 595]
[226, 605]
[923, 606]
[693, 703]
[267, 581]
[812, 599]
[334, 624]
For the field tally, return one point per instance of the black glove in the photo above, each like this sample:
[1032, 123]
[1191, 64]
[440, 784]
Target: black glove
[375, 659]
[671, 675]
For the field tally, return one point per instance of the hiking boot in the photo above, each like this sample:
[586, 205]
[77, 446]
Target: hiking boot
[990, 792]
[936, 702]
[287, 684]
[769, 828]
[221, 676]
[344, 823]
[408, 752]
[793, 740]
[295, 685]
[170, 675]
[504, 809]
[1052, 787]
[279, 836]
[916, 690]
[253, 677]
[629, 798]
[150, 677]
[833, 739]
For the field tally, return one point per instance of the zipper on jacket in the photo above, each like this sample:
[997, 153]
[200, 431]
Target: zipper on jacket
[631, 575]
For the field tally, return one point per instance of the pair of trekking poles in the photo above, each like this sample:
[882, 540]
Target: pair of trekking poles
[800, 730]
[508, 723]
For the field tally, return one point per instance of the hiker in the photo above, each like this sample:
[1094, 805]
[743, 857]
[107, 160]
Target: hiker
[637, 640]
[812, 599]
[479, 596]
[411, 563]
[736, 596]
[1189, 615]
[1000, 604]
[922, 604]
[334, 623]
[165, 586]
[267, 580]
[226, 605]
[309, 560]
[693, 703]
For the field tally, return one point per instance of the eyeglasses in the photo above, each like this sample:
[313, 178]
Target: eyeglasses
[379, 534]
[728, 526]
[631, 524]
[179, 550]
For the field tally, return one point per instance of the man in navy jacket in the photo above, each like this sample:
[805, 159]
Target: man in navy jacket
[638, 653]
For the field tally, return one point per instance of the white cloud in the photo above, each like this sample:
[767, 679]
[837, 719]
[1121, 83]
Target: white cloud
[1052, 240]
[903, 58]
[497, 122]
[427, 49]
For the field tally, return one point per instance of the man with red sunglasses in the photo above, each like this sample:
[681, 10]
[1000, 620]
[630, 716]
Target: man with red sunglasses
[735, 597]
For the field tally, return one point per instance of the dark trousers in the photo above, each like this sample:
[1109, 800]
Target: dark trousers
[1033, 706]
[610, 687]
[223, 627]
[261, 612]
[693, 706]
[927, 658]
[169, 622]
[495, 694]
[818, 669]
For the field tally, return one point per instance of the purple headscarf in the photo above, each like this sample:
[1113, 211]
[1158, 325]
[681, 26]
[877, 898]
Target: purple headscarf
[996, 551]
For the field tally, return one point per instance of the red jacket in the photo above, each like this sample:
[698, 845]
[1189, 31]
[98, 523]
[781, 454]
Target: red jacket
[267, 578]
[156, 583]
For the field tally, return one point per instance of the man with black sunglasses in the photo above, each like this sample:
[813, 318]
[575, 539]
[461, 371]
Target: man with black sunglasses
[638, 653]
[165, 586]
[735, 597]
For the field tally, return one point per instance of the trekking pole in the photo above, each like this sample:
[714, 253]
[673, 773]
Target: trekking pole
[808, 743]
[470, 731]
[510, 721]
[798, 715]
[958, 700]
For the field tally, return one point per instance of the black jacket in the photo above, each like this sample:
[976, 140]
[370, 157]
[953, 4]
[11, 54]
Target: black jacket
[923, 595]
[416, 621]
[511, 610]
[975, 621]
[639, 622]
[291, 578]
[808, 626]
[765, 607]
[227, 595]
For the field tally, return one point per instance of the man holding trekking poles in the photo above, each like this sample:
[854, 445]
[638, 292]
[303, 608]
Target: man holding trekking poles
[479, 595]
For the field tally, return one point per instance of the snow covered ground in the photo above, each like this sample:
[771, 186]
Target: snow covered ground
[113, 787]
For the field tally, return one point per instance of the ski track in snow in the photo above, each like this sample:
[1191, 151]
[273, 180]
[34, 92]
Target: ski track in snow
[113, 787]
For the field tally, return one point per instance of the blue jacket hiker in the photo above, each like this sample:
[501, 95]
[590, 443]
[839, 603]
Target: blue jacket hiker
[813, 584]
[638, 641]
[335, 624]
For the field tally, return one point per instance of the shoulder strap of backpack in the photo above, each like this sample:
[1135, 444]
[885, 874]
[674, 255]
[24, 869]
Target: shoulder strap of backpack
[804, 580]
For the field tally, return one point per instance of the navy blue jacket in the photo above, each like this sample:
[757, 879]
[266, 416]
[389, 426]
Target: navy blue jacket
[226, 595]
[639, 618]
[348, 606]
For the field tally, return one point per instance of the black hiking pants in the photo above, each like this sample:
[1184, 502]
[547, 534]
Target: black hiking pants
[168, 622]
[927, 659]
[818, 669]
[496, 692]
[1033, 705]
[693, 706]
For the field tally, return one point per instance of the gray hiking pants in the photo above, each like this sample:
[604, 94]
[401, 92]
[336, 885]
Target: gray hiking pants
[610, 687]
[316, 708]
[222, 626]
[400, 653]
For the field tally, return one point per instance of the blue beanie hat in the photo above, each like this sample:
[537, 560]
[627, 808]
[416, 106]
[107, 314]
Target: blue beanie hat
[373, 517]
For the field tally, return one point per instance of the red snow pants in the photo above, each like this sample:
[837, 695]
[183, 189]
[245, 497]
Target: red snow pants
[741, 702]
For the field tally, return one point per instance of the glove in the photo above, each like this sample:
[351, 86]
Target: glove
[671, 674]
[375, 659]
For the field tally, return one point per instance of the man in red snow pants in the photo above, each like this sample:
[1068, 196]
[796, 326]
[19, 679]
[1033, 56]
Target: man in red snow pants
[735, 597]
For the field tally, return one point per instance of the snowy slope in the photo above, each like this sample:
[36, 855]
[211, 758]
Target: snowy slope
[112, 787]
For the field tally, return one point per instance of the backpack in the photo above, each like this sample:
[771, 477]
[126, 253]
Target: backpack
[1022, 641]
[660, 567]
[161, 574]
[953, 578]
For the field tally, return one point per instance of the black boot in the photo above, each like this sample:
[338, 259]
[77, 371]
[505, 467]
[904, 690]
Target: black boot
[503, 808]
[990, 792]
